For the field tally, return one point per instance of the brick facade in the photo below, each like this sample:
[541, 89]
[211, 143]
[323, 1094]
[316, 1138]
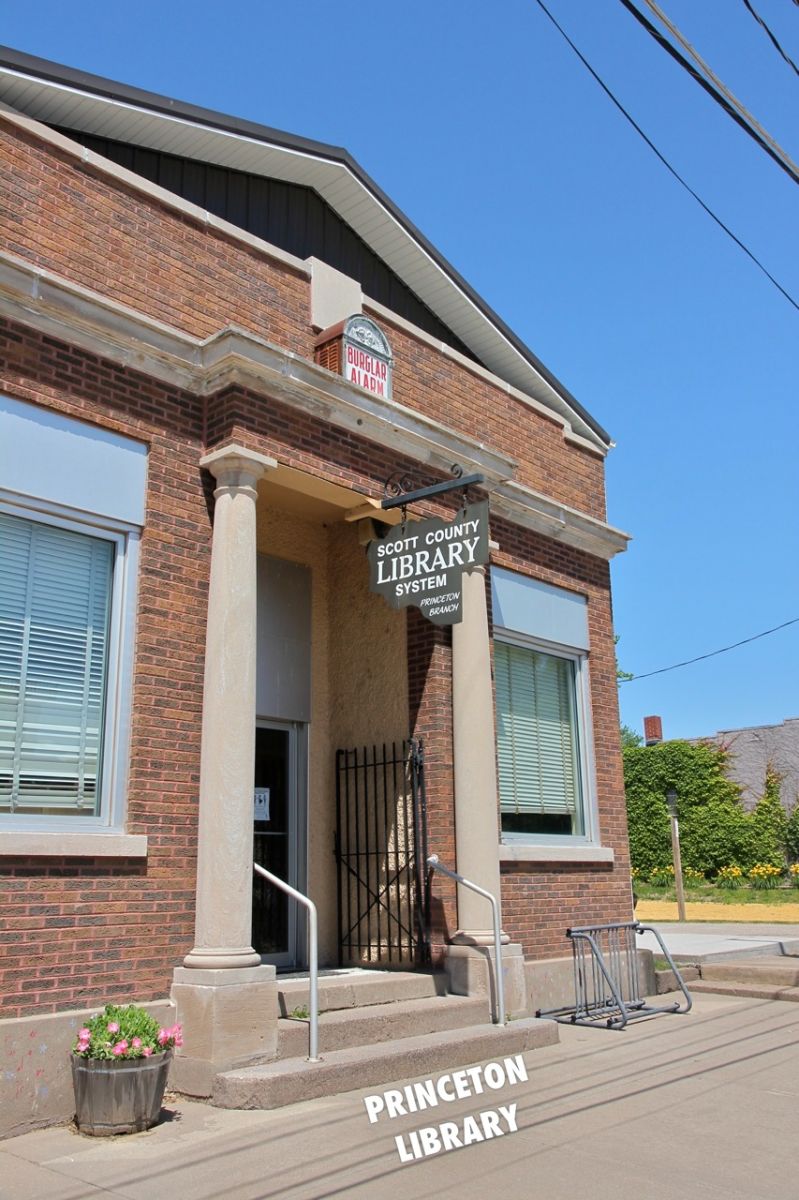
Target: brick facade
[78, 930]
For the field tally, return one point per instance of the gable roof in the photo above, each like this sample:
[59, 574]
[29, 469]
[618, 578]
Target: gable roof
[71, 99]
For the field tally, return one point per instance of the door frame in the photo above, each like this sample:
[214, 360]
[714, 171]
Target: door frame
[295, 957]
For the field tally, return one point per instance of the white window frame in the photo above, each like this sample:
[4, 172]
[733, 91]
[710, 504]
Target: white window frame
[116, 725]
[585, 746]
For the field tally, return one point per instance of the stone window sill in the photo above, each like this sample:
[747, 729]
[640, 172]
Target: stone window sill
[74, 845]
[518, 852]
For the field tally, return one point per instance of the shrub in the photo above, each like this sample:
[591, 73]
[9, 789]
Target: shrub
[769, 824]
[792, 833]
[662, 877]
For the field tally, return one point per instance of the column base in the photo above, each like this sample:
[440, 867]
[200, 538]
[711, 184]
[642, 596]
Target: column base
[471, 972]
[229, 1019]
[215, 958]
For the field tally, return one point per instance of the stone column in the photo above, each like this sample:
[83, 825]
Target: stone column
[223, 916]
[470, 957]
[474, 753]
[224, 995]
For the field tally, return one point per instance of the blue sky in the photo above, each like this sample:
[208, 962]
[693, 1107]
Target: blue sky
[481, 124]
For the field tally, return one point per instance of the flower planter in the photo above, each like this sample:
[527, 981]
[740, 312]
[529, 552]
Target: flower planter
[118, 1095]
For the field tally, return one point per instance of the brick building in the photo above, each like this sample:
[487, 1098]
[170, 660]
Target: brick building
[188, 483]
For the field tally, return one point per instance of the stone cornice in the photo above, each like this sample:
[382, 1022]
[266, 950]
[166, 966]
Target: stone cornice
[234, 357]
[531, 510]
[231, 357]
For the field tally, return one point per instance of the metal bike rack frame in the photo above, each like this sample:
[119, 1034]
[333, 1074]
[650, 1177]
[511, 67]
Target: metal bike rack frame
[606, 983]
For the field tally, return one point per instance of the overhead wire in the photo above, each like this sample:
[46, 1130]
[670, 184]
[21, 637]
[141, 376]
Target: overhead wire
[714, 87]
[711, 654]
[700, 658]
[772, 37]
[672, 170]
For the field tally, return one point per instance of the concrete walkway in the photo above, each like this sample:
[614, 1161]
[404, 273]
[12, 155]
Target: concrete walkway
[700, 942]
[702, 1105]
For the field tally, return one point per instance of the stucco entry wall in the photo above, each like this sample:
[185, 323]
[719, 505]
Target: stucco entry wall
[292, 537]
[368, 651]
[359, 678]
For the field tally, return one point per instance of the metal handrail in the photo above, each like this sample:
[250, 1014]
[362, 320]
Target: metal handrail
[435, 865]
[313, 957]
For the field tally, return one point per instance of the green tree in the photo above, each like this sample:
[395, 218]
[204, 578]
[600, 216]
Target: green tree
[629, 738]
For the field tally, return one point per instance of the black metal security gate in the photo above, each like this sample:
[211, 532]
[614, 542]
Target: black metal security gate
[381, 852]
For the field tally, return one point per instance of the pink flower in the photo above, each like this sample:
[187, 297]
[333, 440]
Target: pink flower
[147, 1051]
[84, 1034]
[136, 1043]
[177, 1035]
[163, 1036]
[82, 1047]
[120, 1048]
[113, 1027]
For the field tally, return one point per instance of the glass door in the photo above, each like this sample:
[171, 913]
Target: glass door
[279, 842]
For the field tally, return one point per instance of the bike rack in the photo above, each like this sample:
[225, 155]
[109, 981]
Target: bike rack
[606, 983]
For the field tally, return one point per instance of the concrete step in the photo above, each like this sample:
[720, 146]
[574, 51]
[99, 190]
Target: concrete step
[339, 989]
[776, 970]
[382, 1022]
[289, 1081]
[754, 991]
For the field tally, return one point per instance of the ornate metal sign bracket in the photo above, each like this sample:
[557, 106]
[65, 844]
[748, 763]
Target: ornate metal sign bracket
[399, 492]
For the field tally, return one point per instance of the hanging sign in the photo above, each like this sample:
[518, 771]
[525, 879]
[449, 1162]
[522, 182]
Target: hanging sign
[367, 356]
[261, 804]
[422, 564]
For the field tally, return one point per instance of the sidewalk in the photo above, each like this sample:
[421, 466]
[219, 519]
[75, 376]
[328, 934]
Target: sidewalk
[702, 1105]
[691, 941]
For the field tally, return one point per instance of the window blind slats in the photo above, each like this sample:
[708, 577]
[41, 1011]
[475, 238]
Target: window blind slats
[536, 732]
[55, 589]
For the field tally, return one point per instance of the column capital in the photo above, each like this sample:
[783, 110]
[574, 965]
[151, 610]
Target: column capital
[236, 466]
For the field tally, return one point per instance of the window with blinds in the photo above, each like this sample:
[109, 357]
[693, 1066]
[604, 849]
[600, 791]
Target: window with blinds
[55, 599]
[537, 741]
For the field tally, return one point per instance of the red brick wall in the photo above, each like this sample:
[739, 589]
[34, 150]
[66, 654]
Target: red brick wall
[448, 392]
[78, 930]
[541, 900]
[63, 215]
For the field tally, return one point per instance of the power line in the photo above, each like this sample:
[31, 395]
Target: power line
[713, 86]
[771, 36]
[664, 160]
[713, 653]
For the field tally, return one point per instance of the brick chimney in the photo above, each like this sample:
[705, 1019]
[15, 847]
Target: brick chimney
[653, 730]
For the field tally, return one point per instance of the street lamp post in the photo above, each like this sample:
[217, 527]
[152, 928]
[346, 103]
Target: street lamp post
[671, 800]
